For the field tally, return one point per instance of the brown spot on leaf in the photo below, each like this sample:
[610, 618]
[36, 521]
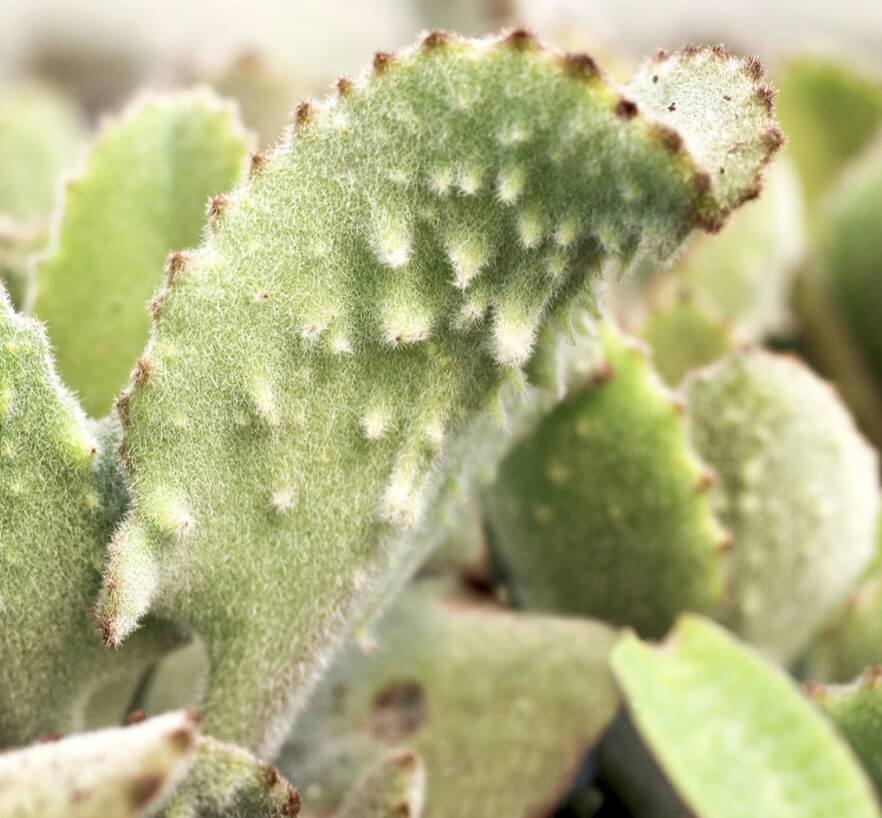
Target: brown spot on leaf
[519, 38]
[626, 109]
[216, 207]
[580, 66]
[435, 39]
[344, 86]
[144, 789]
[143, 370]
[258, 163]
[766, 96]
[672, 107]
[603, 375]
[399, 710]
[302, 114]
[754, 68]
[669, 138]
[773, 139]
[135, 717]
[382, 60]
[174, 265]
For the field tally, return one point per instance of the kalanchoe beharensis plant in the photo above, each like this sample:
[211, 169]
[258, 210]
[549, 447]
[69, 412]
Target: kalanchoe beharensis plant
[395, 314]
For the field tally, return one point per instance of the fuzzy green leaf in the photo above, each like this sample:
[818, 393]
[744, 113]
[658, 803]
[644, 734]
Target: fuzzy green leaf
[604, 510]
[120, 773]
[798, 490]
[318, 365]
[142, 193]
[734, 736]
[500, 706]
[226, 781]
[62, 493]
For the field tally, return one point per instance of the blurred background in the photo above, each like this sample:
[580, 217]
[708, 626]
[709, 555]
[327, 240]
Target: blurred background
[118, 45]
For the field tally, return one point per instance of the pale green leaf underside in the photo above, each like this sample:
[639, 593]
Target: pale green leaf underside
[142, 193]
[798, 490]
[735, 736]
[501, 707]
[361, 302]
[119, 773]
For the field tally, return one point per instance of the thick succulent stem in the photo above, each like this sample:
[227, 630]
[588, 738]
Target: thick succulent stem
[318, 365]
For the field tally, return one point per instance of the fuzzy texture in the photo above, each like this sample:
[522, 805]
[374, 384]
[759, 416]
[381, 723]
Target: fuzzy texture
[120, 773]
[377, 286]
[141, 194]
[856, 710]
[743, 275]
[394, 788]
[604, 510]
[501, 707]
[62, 492]
[733, 735]
[226, 781]
[850, 258]
[798, 490]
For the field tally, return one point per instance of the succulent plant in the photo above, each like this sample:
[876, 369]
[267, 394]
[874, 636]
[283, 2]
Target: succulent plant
[390, 470]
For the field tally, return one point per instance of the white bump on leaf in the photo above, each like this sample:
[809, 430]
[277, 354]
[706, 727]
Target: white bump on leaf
[405, 323]
[403, 499]
[513, 338]
[283, 500]
[531, 226]
[510, 184]
[441, 180]
[392, 241]
[468, 256]
[469, 181]
[566, 232]
[376, 422]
